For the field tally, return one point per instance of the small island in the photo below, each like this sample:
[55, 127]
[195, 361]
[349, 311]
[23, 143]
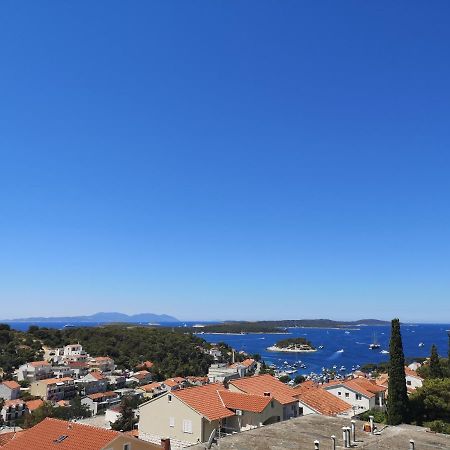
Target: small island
[292, 345]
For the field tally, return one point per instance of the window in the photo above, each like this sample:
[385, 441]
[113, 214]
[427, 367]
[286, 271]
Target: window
[271, 404]
[358, 397]
[347, 395]
[126, 447]
[187, 426]
[169, 397]
[408, 382]
[339, 393]
[171, 422]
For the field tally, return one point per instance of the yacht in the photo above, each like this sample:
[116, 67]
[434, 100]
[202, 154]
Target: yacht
[421, 344]
[374, 345]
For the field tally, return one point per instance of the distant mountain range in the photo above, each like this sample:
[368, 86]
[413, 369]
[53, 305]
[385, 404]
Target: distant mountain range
[103, 317]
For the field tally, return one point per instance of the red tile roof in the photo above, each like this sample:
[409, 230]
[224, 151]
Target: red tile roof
[72, 436]
[171, 382]
[261, 384]
[412, 373]
[246, 402]
[97, 375]
[14, 402]
[363, 386]
[102, 395]
[150, 387]
[204, 400]
[39, 363]
[320, 400]
[34, 404]
[246, 363]
[6, 437]
[11, 384]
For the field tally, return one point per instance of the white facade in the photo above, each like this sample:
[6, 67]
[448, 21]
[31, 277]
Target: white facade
[359, 402]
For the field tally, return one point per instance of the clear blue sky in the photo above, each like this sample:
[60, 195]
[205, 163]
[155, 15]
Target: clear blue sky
[225, 159]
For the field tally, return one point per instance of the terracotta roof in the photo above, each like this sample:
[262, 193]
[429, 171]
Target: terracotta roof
[412, 373]
[11, 384]
[246, 363]
[55, 380]
[150, 387]
[363, 386]
[246, 402]
[260, 384]
[204, 400]
[383, 380]
[76, 364]
[171, 382]
[97, 375]
[146, 364]
[321, 400]
[34, 404]
[14, 402]
[6, 437]
[72, 436]
[39, 363]
[103, 394]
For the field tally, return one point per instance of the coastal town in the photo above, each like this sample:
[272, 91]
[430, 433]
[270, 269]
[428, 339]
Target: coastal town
[130, 407]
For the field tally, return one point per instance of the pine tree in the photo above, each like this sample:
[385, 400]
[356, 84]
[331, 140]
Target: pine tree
[397, 402]
[435, 366]
[127, 420]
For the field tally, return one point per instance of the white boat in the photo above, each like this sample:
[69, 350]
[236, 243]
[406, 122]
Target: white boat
[340, 351]
[384, 352]
[320, 347]
[374, 345]
[421, 344]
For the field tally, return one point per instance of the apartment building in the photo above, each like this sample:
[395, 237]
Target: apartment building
[34, 371]
[54, 389]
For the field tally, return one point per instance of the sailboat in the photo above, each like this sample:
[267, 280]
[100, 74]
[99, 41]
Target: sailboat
[374, 345]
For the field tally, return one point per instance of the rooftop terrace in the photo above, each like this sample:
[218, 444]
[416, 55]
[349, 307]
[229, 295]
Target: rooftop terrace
[300, 434]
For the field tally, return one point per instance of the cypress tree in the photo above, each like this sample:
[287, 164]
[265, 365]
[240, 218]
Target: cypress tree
[397, 402]
[435, 366]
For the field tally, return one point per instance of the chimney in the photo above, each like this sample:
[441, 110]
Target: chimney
[371, 424]
[165, 443]
[353, 438]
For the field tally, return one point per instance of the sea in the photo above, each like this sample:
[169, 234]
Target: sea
[344, 348]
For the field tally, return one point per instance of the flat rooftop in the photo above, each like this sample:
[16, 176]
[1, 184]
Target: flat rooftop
[300, 434]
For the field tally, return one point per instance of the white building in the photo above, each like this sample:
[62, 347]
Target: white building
[361, 393]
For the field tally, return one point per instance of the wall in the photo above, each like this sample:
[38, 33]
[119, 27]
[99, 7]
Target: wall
[361, 405]
[154, 419]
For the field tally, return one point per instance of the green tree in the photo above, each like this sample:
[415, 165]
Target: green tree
[397, 403]
[435, 366]
[448, 354]
[432, 401]
[285, 379]
[127, 420]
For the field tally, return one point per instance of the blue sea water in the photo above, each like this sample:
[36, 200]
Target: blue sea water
[354, 341]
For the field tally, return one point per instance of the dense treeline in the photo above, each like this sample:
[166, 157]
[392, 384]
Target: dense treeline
[274, 326]
[16, 348]
[292, 342]
[174, 353]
